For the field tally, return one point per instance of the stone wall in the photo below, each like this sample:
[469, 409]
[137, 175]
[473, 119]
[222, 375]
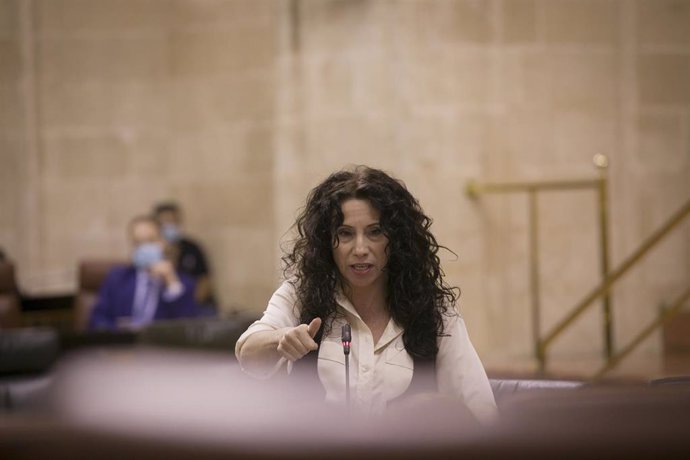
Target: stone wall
[238, 108]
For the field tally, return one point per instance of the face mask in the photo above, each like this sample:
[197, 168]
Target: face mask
[171, 232]
[147, 254]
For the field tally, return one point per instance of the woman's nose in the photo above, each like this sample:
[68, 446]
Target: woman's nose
[360, 246]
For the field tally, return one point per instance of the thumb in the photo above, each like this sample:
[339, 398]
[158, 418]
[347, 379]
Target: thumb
[314, 327]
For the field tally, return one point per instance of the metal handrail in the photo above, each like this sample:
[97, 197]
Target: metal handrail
[665, 315]
[603, 289]
[474, 189]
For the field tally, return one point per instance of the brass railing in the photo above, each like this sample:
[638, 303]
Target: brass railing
[605, 287]
[609, 278]
[665, 315]
[475, 189]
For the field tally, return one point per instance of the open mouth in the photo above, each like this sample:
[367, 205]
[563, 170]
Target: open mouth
[362, 269]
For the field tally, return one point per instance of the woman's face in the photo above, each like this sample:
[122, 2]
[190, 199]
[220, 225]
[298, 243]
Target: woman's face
[360, 250]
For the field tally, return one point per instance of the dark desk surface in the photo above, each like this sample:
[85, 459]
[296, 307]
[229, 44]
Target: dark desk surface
[47, 302]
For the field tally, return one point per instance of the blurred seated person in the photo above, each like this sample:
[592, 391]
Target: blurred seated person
[186, 254]
[148, 289]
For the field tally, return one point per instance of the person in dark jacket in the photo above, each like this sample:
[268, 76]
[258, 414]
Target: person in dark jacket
[186, 253]
[146, 290]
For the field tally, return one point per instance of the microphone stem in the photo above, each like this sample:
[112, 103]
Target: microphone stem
[347, 381]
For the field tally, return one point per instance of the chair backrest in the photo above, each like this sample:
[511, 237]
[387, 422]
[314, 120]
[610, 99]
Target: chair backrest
[505, 389]
[91, 274]
[10, 310]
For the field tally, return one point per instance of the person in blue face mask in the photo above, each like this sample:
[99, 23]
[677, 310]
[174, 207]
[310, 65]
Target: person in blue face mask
[187, 254]
[146, 290]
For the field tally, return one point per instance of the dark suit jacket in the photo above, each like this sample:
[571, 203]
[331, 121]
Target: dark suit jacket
[116, 299]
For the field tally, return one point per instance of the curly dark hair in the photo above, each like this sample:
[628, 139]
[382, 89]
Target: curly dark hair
[416, 292]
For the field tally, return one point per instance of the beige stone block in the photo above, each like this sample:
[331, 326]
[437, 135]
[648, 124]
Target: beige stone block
[586, 82]
[440, 144]
[250, 299]
[9, 18]
[210, 52]
[253, 148]
[290, 194]
[519, 21]
[667, 268]
[663, 22]
[146, 155]
[291, 90]
[10, 242]
[88, 157]
[578, 136]
[331, 144]
[456, 223]
[242, 201]
[472, 305]
[103, 16]
[636, 304]
[524, 79]
[585, 338]
[289, 147]
[11, 109]
[524, 142]
[581, 21]
[101, 104]
[63, 210]
[63, 249]
[443, 22]
[104, 155]
[9, 205]
[378, 88]
[243, 256]
[191, 13]
[508, 297]
[657, 197]
[569, 251]
[340, 26]
[538, 83]
[663, 143]
[134, 195]
[10, 61]
[11, 160]
[562, 80]
[444, 78]
[104, 58]
[211, 103]
[219, 153]
[663, 79]
[329, 85]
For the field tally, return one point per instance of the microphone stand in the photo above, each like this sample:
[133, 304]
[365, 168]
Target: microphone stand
[347, 341]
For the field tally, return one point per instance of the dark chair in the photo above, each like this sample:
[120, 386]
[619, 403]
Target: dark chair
[26, 358]
[678, 380]
[91, 275]
[505, 389]
[10, 310]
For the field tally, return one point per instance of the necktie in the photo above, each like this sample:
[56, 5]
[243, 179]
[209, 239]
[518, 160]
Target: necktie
[145, 302]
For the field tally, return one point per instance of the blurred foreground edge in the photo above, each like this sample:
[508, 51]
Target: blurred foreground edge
[141, 404]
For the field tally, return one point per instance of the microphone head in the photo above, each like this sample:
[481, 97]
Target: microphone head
[346, 333]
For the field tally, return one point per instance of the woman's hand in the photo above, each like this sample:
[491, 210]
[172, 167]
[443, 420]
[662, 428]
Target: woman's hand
[298, 341]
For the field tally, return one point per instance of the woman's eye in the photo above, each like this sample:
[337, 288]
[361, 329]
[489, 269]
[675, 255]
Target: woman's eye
[343, 233]
[376, 231]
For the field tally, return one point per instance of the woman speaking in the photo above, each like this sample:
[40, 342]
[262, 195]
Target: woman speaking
[365, 256]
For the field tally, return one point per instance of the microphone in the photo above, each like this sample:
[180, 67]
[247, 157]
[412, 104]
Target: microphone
[346, 337]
